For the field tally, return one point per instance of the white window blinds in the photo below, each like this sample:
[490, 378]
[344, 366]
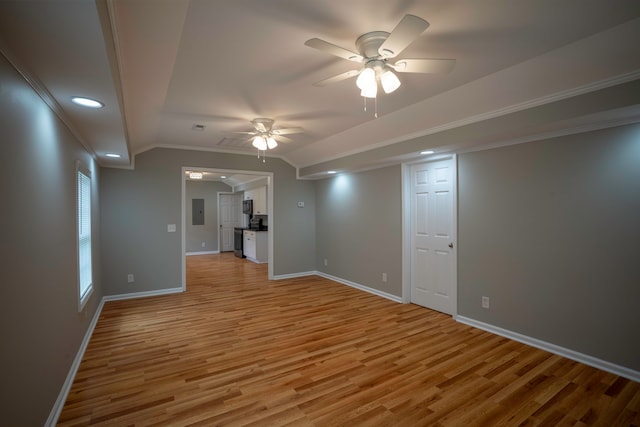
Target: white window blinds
[84, 237]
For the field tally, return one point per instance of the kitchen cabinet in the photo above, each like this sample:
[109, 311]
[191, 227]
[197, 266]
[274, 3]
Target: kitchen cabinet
[259, 197]
[255, 246]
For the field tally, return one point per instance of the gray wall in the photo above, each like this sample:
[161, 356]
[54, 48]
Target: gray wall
[138, 204]
[39, 320]
[550, 231]
[359, 228]
[253, 184]
[207, 233]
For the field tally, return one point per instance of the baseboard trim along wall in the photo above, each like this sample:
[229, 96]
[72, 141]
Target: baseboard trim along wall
[295, 275]
[66, 387]
[143, 294]
[64, 392]
[202, 253]
[377, 292]
[341, 281]
[555, 349]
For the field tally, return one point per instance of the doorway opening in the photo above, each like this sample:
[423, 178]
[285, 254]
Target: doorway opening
[238, 181]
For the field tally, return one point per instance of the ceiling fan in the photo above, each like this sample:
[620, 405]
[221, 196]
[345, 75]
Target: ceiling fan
[265, 137]
[375, 49]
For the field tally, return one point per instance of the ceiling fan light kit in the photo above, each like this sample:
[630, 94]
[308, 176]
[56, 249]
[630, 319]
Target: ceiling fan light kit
[375, 49]
[260, 143]
[389, 81]
[264, 137]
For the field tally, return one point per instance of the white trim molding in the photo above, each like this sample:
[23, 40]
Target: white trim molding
[202, 253]
[555, 349]
[295, 275]
[143, 294]
[373, 291]
[68, 382]
[358, 286]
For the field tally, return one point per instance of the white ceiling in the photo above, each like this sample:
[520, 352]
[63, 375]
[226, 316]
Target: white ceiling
[162, 66]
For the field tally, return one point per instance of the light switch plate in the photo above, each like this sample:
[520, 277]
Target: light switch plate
[171, 228]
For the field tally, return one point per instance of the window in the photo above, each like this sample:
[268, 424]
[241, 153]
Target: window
[85, 276]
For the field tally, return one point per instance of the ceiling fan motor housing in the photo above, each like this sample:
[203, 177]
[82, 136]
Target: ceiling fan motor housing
[261, 123]
[368, 44]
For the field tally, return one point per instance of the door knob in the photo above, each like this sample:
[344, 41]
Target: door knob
[451, 245]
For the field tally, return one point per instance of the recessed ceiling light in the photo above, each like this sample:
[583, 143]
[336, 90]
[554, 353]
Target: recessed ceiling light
[427, 152]
[223, 177]
[195, 175]
[331, 172]
[113, 155]
[87, 102]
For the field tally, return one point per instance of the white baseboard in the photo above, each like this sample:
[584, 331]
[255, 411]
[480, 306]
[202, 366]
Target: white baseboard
[555, 349]
[143, 294]
[377, 292]
[342, 281]
[295, 275]
[202, 253]
[66, 387]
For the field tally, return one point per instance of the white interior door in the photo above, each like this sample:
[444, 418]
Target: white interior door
[230, 217]
[432, 235]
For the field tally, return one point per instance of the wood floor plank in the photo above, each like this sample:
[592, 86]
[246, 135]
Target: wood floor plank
[237, 349]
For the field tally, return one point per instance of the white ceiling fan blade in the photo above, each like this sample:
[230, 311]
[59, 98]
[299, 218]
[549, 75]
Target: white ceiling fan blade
[287, 131]
[426, 66]
[243, 133]
[337, 78]
[281, 138]
[409, 29]
[333, 50]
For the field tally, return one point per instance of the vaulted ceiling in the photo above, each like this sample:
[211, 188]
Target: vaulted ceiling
[191, 73]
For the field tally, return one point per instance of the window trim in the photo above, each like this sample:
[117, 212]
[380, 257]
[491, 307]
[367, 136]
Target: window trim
[83, 298]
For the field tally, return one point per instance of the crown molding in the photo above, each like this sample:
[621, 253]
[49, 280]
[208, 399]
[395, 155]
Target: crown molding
[41, 90]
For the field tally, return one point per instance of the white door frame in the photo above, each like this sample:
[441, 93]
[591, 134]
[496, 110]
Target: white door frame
[406, 229]
[270, 234]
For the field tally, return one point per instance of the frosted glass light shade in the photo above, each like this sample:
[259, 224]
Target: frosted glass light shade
[389, 81]
[370, 92]
[271, 143]
[366, 79]
[259, 143]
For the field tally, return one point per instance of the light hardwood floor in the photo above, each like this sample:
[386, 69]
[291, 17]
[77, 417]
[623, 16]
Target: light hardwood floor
[236, 349]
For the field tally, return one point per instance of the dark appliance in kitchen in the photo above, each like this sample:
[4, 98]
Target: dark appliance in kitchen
[238, 239]
[247, 207]
[255, 223]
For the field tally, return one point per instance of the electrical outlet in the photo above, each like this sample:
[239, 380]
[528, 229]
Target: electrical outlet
[326, 262]
[129, 278]
[485, 302]
[384, 277]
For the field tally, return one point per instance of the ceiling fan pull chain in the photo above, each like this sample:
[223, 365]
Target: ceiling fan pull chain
[365, 103]
[375, 101]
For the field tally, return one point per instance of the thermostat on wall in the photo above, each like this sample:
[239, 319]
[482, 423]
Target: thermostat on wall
[301, 204]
